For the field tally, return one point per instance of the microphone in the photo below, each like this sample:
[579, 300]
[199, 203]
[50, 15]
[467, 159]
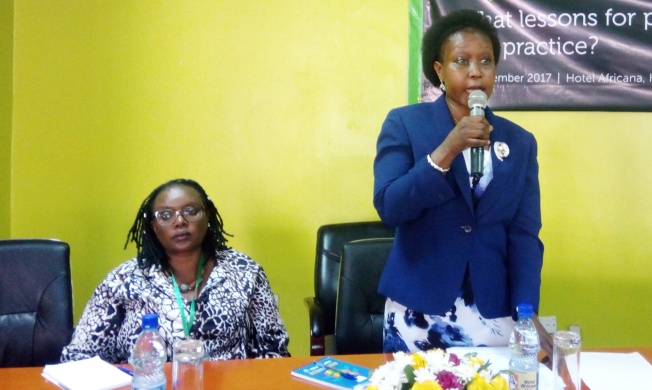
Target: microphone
[477, 103]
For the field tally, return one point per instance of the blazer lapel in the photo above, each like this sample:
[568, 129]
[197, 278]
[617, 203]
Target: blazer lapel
[462, 179]
[497, 185]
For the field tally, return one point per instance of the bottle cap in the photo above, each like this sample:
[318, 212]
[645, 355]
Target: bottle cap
[150, 321]
[524, 310]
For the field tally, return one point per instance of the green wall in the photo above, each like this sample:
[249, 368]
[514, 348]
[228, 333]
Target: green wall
[6, 89]
[275, 108]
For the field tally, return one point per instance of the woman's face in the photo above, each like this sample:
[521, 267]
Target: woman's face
[180, 236]
[467, 64]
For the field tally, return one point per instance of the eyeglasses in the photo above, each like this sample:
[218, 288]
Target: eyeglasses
[189, 213]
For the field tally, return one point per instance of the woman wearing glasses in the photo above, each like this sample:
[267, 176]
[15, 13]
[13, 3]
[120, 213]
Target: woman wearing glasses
[185, 273]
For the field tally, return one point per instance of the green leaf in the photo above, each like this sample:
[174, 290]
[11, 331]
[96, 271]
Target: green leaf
[484, 366]
[409, 374]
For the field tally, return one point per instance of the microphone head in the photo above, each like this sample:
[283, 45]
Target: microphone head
[477, 98]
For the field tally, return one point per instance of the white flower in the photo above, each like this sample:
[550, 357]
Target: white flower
[437, 360]
[390, 375]
[464, 371]
[424, 374]
[402, 359]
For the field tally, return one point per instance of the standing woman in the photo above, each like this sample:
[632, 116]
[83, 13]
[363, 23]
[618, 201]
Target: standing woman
[463, 258]
[185, 273]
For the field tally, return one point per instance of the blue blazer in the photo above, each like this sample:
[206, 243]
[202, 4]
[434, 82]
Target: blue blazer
[438, 231]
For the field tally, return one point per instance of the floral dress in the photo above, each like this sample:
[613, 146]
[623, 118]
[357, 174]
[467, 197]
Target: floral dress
[462, 326]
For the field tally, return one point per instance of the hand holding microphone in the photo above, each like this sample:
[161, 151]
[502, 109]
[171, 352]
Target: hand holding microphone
[477, 104]
[468, 131]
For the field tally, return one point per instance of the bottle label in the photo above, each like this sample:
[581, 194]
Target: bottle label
[520, 380]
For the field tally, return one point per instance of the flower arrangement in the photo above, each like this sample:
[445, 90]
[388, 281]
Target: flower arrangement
[436, 370]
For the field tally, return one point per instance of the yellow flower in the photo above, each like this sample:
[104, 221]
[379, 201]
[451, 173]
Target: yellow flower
[418, 361]
[479, 383]
[476, 360]
[426, 385]
[499, 383]
[371, 387]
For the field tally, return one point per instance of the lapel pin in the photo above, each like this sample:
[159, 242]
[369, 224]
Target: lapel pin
[501, 149]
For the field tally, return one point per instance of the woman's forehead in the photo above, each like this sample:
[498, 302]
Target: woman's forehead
[467, 33]
[177, 195]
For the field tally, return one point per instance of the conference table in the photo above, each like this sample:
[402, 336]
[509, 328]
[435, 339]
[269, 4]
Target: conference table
[244, 374]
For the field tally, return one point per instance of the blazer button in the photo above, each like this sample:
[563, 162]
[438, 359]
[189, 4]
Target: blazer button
[467, 228]
[442, 197]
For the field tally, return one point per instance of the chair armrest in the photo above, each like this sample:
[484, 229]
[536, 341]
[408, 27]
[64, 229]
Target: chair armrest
[316, 322]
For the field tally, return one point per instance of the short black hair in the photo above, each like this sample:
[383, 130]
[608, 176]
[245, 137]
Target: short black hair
[150, 250]
[444, 27]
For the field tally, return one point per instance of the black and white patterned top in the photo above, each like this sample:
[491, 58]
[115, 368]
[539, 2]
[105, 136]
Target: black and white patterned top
[236, 314]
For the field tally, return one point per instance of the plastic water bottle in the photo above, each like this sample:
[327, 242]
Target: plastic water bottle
[524, 343]
[148, 356]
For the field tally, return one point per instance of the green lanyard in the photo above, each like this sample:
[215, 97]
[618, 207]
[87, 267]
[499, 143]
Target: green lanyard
[187, 323]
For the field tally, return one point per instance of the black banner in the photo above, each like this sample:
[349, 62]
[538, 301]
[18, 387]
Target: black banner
[565, 55]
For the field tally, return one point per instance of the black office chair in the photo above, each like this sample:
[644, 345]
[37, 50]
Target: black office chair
[321, 308]
[360, 309]
[35, 301]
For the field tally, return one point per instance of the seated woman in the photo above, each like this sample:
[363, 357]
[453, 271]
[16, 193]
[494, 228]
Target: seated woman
[185, 273]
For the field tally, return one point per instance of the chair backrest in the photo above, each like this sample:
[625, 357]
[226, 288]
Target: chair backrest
[330, 241]
[35, 301]
[360, 309]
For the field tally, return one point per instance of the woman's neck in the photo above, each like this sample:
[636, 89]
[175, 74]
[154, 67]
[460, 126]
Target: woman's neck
[185, 266]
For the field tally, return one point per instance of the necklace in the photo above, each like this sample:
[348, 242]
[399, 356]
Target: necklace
[187, 322]
[184, 288]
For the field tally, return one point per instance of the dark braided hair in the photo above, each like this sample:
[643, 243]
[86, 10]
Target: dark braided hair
[442, 28]
[150, 250]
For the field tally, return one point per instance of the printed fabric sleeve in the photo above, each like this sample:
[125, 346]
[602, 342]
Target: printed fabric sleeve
[268, 337]
[97, 331]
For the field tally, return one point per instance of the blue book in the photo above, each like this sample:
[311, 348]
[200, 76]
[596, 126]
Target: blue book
[334, 373]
